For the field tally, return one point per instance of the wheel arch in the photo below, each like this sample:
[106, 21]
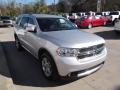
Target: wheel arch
[43, 50]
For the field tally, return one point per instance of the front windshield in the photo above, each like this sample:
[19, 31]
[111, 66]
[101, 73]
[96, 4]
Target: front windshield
[55, 24]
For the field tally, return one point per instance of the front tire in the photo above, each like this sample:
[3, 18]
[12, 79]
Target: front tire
[89, 26]
[104, 24]
[114, 21]
[17, 44]
[48, 67]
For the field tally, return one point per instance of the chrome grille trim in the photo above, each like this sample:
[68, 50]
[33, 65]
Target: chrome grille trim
[90, 51]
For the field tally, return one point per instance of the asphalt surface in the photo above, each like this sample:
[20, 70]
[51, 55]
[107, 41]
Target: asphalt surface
[26, 73]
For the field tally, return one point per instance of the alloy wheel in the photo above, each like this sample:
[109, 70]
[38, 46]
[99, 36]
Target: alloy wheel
[46, 67]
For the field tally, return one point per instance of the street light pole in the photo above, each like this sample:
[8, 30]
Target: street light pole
[54, 6]
[21, 7]
[104, 3]
[99, 6]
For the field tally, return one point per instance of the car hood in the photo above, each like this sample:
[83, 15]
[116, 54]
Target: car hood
[72, 38]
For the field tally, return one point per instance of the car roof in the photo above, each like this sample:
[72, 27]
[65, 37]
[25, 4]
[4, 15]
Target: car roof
[44, 16]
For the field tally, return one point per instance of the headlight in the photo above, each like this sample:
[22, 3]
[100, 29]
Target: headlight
[68, 52]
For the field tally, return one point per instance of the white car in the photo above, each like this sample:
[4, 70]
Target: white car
[113, 17]
[117, 26]
[6, 21]
[106, 13]
[80, 14]
[99, 14]
[91, 13]
[74, 16]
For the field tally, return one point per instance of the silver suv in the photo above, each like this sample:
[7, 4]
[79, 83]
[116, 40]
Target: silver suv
[62, 49]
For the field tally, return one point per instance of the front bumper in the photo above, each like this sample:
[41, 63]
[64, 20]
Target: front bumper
[82, 25]
[86, 71]
[70, 65]
[5, 24]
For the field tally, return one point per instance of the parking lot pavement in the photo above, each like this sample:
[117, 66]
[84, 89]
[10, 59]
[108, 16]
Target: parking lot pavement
[108, 77]
[6, 82]
[26, 73]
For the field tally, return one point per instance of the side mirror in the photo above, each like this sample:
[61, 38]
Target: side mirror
[31, 28]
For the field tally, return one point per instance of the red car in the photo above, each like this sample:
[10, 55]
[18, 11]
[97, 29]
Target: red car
[91, 21]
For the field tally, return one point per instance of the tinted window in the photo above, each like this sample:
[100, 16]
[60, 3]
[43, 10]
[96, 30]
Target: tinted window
[98, 13]
[4, 17]
[55, 24]
[70, 14]
[24, 21]
[31, 21]
[87, 13]
[114, 13]
[78, 14]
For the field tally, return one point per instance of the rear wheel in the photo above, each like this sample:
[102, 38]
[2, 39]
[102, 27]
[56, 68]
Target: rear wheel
[114, 21]
[104, 23]
[89, 26]
[48, 67]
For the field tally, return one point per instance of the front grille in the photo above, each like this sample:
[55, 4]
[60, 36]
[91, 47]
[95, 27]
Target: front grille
[6, 21]
[90, 51]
